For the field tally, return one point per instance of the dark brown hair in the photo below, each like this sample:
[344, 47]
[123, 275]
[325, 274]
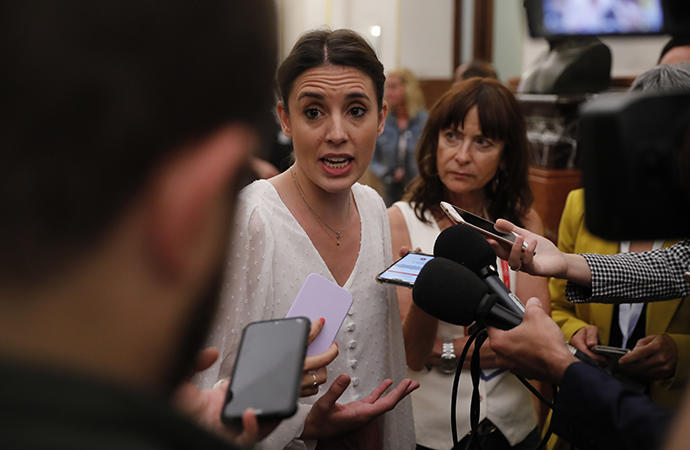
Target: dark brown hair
[321, 47]
[500, 118]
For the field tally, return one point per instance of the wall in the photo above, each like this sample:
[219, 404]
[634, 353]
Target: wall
[413, 34]
[418, 34]
[426, 38]
[508, 38]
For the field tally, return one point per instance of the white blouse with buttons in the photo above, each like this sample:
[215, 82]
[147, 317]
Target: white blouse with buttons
[267, 265]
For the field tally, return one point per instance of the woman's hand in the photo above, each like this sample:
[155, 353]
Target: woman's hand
[315, 372]
[328, 418]
[541, 257]
[654, 357]
[548, 260]
[204, 407]
[404, 251]
[584, 339]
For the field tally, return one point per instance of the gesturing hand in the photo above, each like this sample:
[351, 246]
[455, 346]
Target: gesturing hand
[653, 357]
[315, 372]
[328, 418]
[204, 407]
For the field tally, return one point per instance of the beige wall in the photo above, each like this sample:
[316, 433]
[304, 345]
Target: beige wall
[418, 34]
[415, 33]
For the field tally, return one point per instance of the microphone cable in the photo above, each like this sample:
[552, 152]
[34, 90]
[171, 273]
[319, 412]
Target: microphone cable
[478, 337]
[456, 383]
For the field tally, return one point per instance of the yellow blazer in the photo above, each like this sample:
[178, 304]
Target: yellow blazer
[671, 317]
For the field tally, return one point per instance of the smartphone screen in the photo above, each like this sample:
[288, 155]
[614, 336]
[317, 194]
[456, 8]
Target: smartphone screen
[268, 369]
[405, 270]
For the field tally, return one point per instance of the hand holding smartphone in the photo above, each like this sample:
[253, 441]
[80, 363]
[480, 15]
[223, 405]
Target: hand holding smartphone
[611, 353]
[268, 370]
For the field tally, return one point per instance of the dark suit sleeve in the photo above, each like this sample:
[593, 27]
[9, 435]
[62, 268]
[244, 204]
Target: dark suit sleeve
[594, 410]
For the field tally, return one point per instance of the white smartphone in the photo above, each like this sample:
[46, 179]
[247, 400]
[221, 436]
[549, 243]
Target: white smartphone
[320, 297]
[404, 271]
[486, 227]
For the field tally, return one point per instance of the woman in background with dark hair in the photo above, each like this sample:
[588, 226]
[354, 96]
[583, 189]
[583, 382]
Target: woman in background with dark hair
[316, 218]
[473, 153]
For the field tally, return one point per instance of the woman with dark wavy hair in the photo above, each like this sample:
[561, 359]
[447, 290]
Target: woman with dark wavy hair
[472, 153]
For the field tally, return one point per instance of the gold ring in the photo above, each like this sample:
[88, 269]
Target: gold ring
[313, 375]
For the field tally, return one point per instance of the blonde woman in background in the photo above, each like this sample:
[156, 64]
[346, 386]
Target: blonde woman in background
[394, 161]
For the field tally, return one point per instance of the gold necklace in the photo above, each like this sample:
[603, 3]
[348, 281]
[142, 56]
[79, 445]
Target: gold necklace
[338, 234]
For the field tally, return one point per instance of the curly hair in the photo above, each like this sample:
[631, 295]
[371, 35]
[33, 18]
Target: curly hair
[508, 194]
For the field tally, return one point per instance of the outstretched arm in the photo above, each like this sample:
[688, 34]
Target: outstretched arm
[541, 257]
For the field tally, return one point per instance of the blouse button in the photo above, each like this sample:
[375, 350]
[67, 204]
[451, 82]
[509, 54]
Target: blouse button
[351, 327]
[355, 381]
[349, 312]
[353, 363]
[352, 344]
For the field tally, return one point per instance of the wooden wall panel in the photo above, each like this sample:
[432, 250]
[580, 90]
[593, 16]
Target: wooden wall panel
[550, 188]
[434, 88]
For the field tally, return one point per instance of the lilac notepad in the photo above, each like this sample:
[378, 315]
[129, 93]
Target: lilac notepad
[319, 297]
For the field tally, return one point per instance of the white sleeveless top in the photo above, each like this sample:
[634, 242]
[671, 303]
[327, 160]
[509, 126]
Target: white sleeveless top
[503, 399]
[270, 258]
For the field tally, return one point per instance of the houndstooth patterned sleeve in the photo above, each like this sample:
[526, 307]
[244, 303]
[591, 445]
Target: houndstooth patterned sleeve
[656, 275]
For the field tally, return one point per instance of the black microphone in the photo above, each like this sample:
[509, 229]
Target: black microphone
[450, 292]
[440, 283]
[466, 246]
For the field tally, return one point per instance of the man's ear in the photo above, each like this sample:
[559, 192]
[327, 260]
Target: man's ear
[382, 118]
[284, 118]
[186, 194]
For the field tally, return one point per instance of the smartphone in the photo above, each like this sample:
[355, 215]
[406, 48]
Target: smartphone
[486, 227]
[320, 297]
[608, 351]
[404, 271]
[268, 370]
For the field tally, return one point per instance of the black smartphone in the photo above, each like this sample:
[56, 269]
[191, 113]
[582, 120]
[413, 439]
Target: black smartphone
[404, 271]
[268, 370]
[485, 227]
[608, 351]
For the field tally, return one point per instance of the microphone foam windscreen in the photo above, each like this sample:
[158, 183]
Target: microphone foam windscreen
[448, 291]
[466, 246]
